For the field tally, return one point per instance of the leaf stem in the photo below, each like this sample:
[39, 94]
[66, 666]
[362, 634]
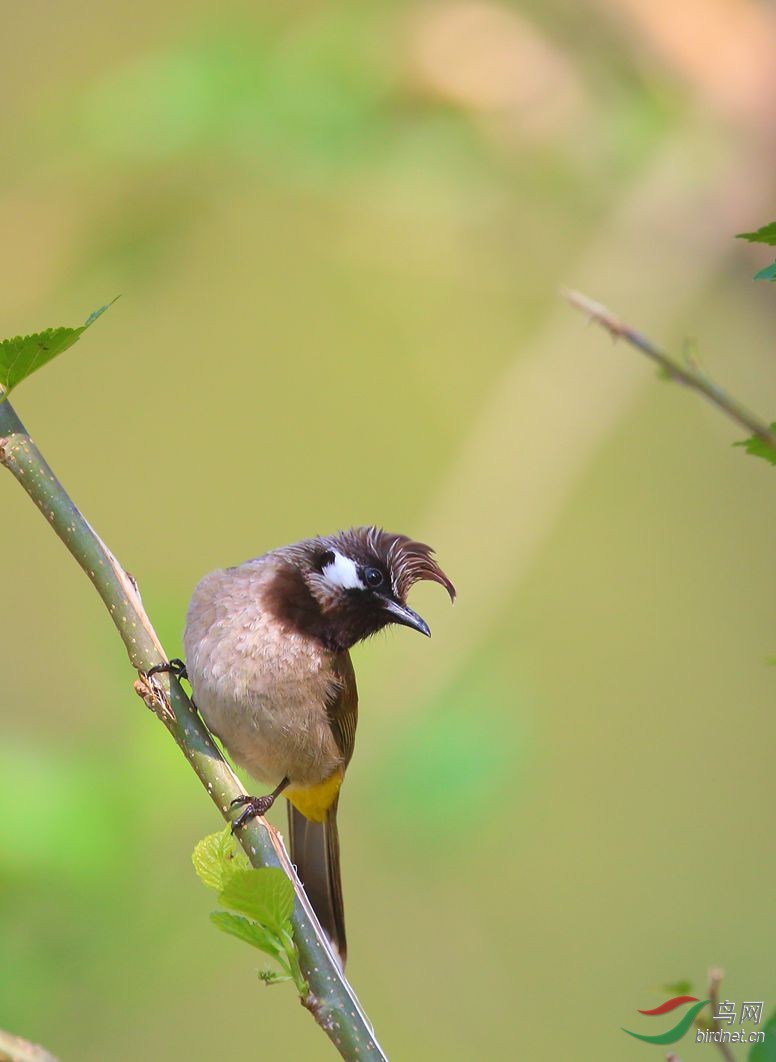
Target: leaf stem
[690, 375]
[330, 999]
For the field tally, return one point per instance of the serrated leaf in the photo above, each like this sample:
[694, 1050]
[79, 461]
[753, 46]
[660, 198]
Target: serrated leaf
[23, 355]
[766, 1051]
[758, 447]
[249, 932]
[766, 234]
[217, 857]
[265, 895]
[769, 273]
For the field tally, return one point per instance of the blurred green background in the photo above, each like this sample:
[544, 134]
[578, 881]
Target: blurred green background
[338, 230]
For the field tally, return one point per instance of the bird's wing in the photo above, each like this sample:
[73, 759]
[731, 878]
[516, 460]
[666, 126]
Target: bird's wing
[342, 708]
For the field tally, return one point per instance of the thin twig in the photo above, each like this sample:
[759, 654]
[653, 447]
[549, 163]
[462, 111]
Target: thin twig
[331, 1000]
[715, 980]
[690, 374]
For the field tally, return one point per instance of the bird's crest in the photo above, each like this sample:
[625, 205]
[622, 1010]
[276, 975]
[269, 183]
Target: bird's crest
[406, 561]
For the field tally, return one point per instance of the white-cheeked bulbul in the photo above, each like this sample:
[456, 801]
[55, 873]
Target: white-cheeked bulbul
[267, 658]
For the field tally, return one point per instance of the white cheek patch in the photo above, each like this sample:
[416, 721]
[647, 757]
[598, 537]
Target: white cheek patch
[343, 573]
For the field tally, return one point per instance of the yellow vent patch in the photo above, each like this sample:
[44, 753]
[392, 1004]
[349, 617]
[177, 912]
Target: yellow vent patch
[315, 800]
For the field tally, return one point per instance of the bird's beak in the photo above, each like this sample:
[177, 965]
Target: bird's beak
[404, 615]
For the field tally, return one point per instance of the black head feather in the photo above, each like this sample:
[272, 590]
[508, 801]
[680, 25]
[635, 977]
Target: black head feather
[404, 560]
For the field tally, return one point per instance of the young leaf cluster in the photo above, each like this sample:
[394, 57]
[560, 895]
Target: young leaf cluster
[766, 235]
[263, 899]
[758, 447]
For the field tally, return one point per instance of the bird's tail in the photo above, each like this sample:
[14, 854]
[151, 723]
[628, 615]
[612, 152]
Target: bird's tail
[315, 851]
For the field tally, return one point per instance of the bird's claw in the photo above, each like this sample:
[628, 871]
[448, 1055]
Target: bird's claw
[253, 806]
[173, 667]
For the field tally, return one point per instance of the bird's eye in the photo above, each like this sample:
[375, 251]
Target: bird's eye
[325, 559]
[373, 577]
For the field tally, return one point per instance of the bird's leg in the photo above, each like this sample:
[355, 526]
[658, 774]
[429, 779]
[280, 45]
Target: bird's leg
[173, 667]
[255, 805]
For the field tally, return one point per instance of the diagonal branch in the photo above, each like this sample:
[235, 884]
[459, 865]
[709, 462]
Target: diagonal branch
[689, 374]
[15, 1049]
[331, 1000]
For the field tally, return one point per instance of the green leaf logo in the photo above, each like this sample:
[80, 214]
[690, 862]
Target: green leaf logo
[677, 1032]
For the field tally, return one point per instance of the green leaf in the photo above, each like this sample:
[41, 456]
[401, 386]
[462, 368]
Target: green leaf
[264, 894]
[758, 447]
[769, 273]
[217, 857]
[23, 355]
[678, 988]
[766, 234]
[255, 935]
[766, 1051]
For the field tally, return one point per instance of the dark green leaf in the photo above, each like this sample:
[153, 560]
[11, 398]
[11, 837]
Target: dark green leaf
[769, 273]
[766, 1051]
[767, 235]
[242, 928]
[217, 857]
[759, 448]
[23, 355]
[265, 895]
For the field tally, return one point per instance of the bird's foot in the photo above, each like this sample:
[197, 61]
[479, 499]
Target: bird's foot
[173, 667]
[252, 806]
[255, 805]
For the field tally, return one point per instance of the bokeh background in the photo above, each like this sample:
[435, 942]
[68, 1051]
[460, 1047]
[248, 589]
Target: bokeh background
[338, 230]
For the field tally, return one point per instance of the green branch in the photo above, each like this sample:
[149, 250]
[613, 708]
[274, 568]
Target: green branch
[689, 374]
[331, 1000]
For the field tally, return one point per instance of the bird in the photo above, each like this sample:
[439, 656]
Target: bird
[267, 649]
